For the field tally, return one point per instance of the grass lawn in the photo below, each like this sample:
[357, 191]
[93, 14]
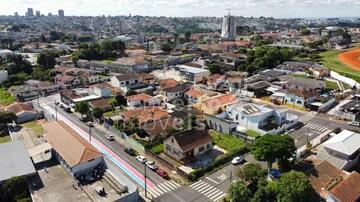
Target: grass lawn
[226, 141]
[331, 61]
[111, 113]
[5, 139]
[331, 85]
[36, 128]
[5, 97]
[252, 133]
[157, 149]
[299, 76]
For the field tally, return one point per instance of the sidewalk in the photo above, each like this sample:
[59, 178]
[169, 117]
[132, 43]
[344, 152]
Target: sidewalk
[314, 142]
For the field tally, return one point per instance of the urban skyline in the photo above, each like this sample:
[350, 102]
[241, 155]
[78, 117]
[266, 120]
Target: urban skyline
[247, 8]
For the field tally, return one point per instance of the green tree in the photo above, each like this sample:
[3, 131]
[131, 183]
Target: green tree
[305, 32]
[7, 117]
[121, 100]
[239, 192]
[266, 192]
[187, 36]
[252, 173]
[46, 60]
[97, 113]
[82, 107]
[166, 47]
[295, 186]
[113, 103]
[14, 189]
[271, 148]
[214, 68]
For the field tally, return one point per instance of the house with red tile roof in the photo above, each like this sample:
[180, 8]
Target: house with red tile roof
[214, 80]
[145, 115]
[347, 190]
[193, 95]
[24, 112]
[188, 144]
[142, 99]
[214, 104]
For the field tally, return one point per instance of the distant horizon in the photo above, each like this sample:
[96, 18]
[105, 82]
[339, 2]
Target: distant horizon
[304, 9]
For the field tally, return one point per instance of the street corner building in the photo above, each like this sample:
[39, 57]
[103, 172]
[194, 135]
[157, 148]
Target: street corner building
[75, 153]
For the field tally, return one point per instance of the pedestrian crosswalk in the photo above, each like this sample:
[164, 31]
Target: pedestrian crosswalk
[316, 127]
[206, 189]
[163, 188]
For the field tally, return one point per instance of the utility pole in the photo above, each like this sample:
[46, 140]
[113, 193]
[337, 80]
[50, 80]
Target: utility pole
[89, 133]
[145, 180]
[55, 111]
[38, 95]
[230, 178]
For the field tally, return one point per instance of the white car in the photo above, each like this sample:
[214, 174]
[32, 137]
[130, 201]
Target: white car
[237, 160]
[142, 159]
[109, 137]
[354, 123]
[151, 165]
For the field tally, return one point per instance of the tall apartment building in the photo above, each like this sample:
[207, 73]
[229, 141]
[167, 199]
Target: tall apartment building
[228, 30]
[30, 12]
[61, 13]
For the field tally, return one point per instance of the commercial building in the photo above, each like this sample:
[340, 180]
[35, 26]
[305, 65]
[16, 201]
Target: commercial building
[30, 12]
[228, 30]
[61, 13]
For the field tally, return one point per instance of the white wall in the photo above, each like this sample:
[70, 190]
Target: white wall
[87, 166]
[344, 79]
[3, 75]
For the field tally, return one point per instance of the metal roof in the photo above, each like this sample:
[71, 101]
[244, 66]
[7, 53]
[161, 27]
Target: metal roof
[15, 160]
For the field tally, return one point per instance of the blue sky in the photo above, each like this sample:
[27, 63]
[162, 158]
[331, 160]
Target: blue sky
[256, 8]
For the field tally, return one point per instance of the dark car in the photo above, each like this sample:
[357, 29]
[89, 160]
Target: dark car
[130, 151]
[83, 119]
[162, 173]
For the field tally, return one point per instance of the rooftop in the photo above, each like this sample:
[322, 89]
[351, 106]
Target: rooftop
[346, 142]
[15, 160]
[349, 189]
[189, 139]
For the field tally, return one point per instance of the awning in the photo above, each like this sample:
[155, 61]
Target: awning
[39, 149]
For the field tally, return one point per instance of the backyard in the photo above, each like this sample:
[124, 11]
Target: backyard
[252, 133]
[228, 142]
[331, 85]
[5, 139]
[5, 97]
[35, 127]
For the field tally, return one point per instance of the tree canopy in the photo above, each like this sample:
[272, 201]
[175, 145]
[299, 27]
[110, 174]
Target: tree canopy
[82, 107]
[252, 174]
[46, 60]
[273, 148]
[238, 191]
[97, 113]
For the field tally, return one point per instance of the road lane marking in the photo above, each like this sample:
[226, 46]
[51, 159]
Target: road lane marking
[209, 192]
[195, 183]
[198, 185]
[212, 180]
[158, 190]
[174, 183]
[164, 187]
[212, 194]
[220, 197]
[216, 195]
[205, 187]
[169, 185]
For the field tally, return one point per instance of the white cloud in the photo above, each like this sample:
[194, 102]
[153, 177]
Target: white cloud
[276, 8]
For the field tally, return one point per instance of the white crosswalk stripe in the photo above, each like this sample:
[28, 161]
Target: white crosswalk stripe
[316, 127]
[163, 188]
[208, 190]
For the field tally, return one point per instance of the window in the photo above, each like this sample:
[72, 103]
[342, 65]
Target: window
[201, 149]
[208, 146]
[237, 117]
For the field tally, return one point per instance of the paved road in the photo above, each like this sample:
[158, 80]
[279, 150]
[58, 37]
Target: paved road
[156, 185]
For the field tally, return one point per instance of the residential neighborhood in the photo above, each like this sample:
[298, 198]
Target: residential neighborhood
[134, 107]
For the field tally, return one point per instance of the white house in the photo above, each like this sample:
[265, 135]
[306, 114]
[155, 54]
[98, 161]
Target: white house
[24, 112]
[342, 150]
[124, 81]
[142, 99]
[193, 74]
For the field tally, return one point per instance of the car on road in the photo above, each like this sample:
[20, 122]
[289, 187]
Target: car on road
[151, 165]
[109, 137]
[142, 159]
[82, 119]
[90, 124]
[237, 160]
[162, 173]
[130, 151]
[354, 123]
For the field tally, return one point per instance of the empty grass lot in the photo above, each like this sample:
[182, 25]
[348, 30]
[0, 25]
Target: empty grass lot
[5, 97]
[331, 61]
[226, 141]
[157, 149]
[5, 139]
[331, 85]
[35, 127]
[252, 133]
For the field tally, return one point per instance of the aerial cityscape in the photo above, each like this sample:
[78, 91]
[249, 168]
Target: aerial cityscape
[180, 101]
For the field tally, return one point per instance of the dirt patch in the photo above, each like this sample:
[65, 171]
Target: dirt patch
[351, 58]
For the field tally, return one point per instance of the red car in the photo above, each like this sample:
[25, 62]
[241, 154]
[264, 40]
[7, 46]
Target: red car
[162, 173]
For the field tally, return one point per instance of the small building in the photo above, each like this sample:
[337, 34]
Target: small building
[215, 104]
[188, 144]
[24, 112]
[142, 99]
[193, 74]
[341, 150]
[3, 75]
[75, 153]
[145, 115]
[193, 96]
[177, 91]
[15, 161]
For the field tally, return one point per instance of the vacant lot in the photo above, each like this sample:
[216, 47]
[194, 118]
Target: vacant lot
[351, 58]
[35, 127]
[226, 141]
[330, 60]
[5, 97]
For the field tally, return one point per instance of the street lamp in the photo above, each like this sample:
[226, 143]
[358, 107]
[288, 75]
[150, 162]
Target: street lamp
[145, 180]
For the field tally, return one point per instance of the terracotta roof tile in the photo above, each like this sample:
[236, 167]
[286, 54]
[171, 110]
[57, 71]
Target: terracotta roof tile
[190, 139]
[220, 100]
[142, 96]
[19, 107]
[146, 114]
[349, 189]
[194, 93]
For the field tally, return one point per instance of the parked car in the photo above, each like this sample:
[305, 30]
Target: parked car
[142, 159]
[237, 160]
[354, 123]
[151, 165]
[82, 119]
[109, 137]
[90, 124]
[130, 151]
[162, 173]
